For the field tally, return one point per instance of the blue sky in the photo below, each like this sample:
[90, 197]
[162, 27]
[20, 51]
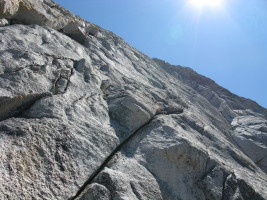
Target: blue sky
[227, 44]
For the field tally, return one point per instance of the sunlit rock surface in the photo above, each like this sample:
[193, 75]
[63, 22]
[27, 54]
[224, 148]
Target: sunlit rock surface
[86, 116]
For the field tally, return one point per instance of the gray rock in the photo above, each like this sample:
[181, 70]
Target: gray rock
[219, 97]
[251, 136]
[86, 116]
[75, 31]
[96, 192]
[12, 106]
[45, 13]
[3, 22]
[8, 7]
[91, 29]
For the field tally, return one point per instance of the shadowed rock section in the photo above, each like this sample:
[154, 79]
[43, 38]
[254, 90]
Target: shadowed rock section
[83, 115]
[11, 107]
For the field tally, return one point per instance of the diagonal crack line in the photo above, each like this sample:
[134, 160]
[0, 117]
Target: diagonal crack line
[117, 149]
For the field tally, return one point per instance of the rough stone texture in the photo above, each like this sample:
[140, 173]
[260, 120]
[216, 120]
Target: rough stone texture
[46, 13]
[42, 136]
[250, 135]
[96, 192]
[75, 31]
[3, 22]
[86, 116]
[219, 97]
[8, 7]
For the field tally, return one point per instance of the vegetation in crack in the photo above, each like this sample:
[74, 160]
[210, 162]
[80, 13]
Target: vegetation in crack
[117, 149]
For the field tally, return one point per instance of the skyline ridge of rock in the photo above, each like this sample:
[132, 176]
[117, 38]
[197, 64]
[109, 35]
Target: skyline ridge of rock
[85, 116]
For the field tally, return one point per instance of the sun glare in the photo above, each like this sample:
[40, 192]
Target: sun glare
[206, 3]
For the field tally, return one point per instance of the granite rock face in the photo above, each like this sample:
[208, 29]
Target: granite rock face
[250, 135]
[8, 7]
[86, 116]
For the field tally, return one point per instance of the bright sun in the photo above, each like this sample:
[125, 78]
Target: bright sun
[206, 3]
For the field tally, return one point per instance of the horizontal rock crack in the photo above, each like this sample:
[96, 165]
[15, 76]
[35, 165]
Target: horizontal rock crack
[13, 106]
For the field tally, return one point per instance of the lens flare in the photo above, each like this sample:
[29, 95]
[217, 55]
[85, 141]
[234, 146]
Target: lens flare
[207, 3]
